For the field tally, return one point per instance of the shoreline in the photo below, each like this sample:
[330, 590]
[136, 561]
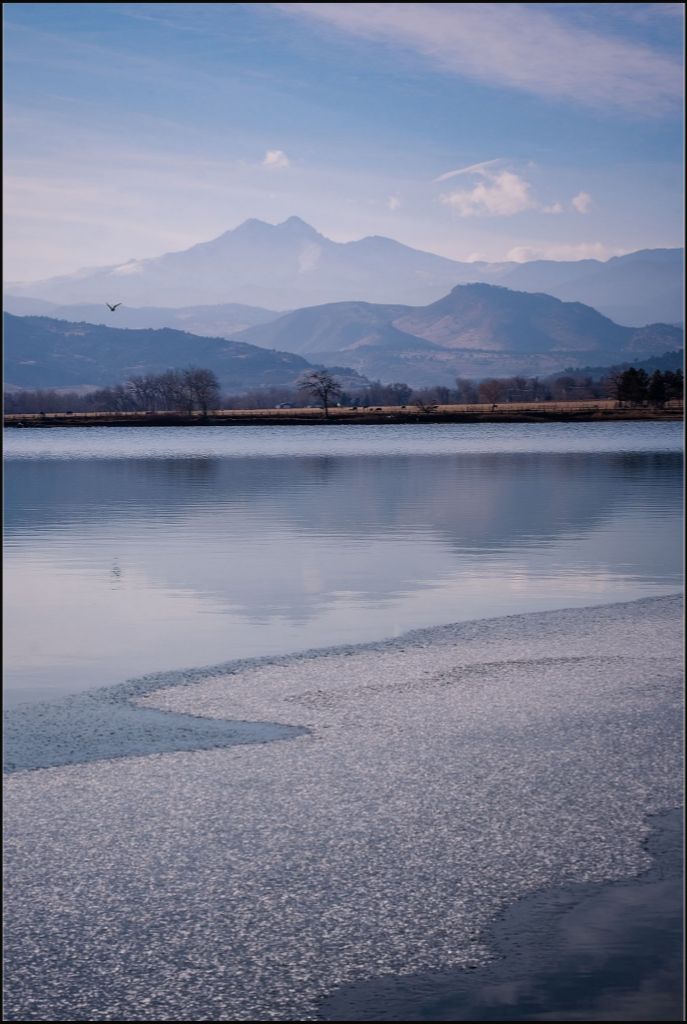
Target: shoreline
[588, 952]
[122, 720]
[553, 412]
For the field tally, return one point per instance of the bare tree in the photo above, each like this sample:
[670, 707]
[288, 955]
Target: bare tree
[262, 398]
[384, 394]
[613, 385]
[321, 386]
[519, 389]
[491, 390]
[424, 405]
[171, 390]
[565, 388]
[538, 389]
[145, 392]
[117, 399]
[439, 394]
[202, 387]
[466, 391]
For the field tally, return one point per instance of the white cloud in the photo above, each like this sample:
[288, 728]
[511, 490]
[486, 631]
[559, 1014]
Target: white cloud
[393, 202]
[499, 194]
[519, 46]
[276, 159]
[582, 202]
[309, 257]
[556, 251]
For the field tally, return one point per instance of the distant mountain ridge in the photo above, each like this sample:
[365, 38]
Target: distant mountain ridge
[41, 352]
[291, 265]
[274, 266]
[476, 330]
[221, 321]
[668, 361]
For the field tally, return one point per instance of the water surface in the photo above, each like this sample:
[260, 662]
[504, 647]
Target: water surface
[130, 551]
[610, 951]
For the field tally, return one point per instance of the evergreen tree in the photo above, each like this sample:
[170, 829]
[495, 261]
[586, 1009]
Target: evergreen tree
[656, 392]
[634, 386]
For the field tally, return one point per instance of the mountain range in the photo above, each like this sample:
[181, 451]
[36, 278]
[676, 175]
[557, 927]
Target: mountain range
[671, 361]
[475, 331]
[41, 352]
[289, 265]
[222, 321]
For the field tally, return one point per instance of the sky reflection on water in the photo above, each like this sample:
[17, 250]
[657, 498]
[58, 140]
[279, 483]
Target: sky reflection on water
[120, 562]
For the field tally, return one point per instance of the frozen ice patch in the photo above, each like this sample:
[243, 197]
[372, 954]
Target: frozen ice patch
[445, 774]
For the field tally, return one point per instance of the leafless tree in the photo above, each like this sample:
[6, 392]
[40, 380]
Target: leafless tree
[384, 394]
[538, 389]
[491, 390]
[201, 386]
[321, 386]
[118, 399]
[171, 390]
[262, 398]
[425, 405]
[565, 388]
[439, 394]
[519, 390]
[466, 391]
[613, 385]
[145, 392]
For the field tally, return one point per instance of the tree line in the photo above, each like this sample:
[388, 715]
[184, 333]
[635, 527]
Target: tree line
[198, 389]
[193, 388]
[636, 387]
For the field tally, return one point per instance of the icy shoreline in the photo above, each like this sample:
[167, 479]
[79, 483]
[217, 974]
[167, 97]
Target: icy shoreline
[597, 951]
[442, 776]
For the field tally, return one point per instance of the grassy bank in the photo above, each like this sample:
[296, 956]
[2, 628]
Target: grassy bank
[515, 412]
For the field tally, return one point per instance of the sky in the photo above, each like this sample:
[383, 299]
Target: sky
[476, 131]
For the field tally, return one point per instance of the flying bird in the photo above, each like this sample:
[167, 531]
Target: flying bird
[112, 308]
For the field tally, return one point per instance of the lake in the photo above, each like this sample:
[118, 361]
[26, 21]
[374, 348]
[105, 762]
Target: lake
[472, 820]
[130, 551]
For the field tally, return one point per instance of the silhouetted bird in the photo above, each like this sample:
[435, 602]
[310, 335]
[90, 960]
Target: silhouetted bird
[112, 308]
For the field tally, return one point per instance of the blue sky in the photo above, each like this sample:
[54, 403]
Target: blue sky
[478, 131]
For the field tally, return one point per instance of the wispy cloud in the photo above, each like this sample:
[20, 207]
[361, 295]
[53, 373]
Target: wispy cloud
[393, 202]
[582, 202]
[309, 257]
[563, 251]
[469, 170]
[276, 159]
[519, 46]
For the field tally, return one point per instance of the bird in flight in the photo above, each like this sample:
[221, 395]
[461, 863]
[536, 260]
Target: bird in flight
[112, 308]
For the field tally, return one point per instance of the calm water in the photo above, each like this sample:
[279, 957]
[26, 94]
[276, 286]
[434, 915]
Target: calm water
[610, 951]
[140, 550]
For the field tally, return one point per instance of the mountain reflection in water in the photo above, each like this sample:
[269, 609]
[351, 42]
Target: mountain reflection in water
[118, 566]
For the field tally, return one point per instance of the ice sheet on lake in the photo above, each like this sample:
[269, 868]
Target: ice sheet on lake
[446, 774]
